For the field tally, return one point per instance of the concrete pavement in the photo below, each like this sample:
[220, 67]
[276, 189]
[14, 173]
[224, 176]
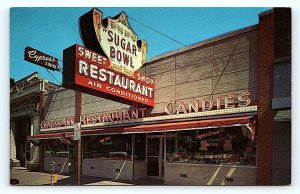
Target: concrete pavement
[26, 177]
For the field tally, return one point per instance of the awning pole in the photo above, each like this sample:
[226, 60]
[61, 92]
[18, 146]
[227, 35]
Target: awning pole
[132, 154]
[165, 156]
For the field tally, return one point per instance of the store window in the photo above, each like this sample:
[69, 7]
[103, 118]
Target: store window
[140, 147]
[116, 147]
[55, 148]
[230, 145]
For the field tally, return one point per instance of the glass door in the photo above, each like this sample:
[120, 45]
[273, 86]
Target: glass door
[155, 157]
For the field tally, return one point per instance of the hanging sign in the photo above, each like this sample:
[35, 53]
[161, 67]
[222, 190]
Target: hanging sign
[39, 58]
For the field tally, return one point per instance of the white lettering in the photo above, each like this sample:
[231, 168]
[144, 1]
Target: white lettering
[93, 71]
[81, 51]
[102, 75]
[83, 66]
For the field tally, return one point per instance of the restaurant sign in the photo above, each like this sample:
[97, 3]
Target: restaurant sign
[95, 118]
[107, 65]
[39, 58]
[89, 72]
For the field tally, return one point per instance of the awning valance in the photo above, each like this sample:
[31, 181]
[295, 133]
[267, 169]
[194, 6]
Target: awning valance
[50, 135]
[246, 121]
[65, 137]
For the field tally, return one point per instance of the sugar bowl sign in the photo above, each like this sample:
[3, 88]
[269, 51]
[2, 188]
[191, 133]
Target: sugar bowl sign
[114, 38]
[107, 65]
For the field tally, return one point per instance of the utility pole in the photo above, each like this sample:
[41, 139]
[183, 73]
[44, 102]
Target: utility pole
[78, 161]
[78, 139]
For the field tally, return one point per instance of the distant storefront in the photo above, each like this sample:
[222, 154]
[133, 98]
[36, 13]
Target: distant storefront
[25, 118]
[204, 128]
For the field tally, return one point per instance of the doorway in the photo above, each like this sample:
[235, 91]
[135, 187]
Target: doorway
[155, 156]
[23, 126]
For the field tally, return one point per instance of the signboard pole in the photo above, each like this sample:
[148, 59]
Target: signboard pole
[78, 147]
[78, 161]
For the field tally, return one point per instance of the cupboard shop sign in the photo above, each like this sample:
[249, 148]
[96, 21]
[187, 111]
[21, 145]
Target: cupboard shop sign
[107, 65]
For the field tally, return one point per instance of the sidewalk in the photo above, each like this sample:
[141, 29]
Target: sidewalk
[43, 178]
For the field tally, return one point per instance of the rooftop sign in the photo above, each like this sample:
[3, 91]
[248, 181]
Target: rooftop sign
[113, 38]
[107, 65]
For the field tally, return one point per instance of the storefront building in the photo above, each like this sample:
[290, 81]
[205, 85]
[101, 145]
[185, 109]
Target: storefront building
[25, 118]
[204, 127]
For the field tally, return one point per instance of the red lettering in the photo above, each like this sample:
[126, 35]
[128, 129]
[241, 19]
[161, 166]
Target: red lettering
[142, 110]
[244, 99]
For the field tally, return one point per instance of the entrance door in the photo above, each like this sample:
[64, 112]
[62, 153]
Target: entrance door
[23, 130]
[155, 157]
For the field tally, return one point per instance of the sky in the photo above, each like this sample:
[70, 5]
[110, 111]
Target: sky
[51, 30]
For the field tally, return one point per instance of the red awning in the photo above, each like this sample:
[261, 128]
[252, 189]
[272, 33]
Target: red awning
[118, 130]
[163, 127]
[50, 135]
[62, 136]
[175, 126]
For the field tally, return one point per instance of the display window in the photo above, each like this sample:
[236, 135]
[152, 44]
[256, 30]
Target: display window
[55, 148]
[228, 145]
[115, 147]
[140, 147]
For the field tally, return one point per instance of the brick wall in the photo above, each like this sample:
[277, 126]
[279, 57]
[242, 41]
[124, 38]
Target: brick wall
[282, 32]
[264, 96]
[281, 159]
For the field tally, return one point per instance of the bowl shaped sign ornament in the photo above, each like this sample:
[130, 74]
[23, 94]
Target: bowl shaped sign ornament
[113, 38]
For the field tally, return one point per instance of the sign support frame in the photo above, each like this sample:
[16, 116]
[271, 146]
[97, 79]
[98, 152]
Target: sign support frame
[78, 110]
